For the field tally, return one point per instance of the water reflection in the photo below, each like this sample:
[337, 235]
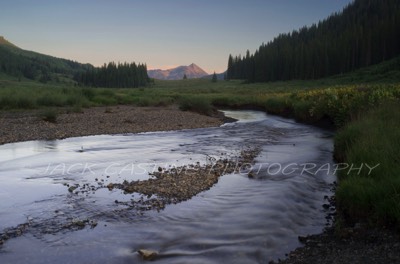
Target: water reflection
[239, 220]
[46, 145]
[246, 115]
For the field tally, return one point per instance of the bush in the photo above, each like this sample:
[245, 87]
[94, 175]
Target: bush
[49, 115]
[88, 93]
[301, 110]
[196, 104]
[17, 101]
[77, 109]
[278, 105]
[104, 100]
[226, 101]
[51, 99]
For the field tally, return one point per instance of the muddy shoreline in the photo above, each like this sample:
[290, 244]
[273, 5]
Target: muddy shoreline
[29, 125]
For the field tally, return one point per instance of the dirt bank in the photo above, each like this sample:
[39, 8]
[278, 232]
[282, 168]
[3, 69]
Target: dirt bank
[29, 125]
[351, 245]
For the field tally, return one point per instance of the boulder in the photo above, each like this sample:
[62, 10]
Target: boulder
[147, 254]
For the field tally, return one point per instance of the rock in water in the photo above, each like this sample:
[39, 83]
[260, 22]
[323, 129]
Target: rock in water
[148, 254]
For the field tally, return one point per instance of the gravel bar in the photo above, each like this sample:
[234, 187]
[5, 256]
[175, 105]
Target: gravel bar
[29, 125]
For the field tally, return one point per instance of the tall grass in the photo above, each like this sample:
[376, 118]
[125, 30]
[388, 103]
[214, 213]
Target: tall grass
[41, 97]
[374, 139]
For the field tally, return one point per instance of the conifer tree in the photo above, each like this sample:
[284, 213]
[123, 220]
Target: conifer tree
[214, 77]
[113, 75]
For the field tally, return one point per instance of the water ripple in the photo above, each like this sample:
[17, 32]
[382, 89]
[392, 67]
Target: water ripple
[239, 220]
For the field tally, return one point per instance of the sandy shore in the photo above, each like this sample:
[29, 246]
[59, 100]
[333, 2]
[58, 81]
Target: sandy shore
[28, 125]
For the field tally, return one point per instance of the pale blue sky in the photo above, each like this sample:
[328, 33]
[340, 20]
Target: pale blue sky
[161, 33]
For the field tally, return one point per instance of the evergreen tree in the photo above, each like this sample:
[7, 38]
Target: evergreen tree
[230, 72]
[214, 77]
[184, 76]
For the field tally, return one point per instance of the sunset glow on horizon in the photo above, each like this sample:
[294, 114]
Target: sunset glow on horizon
[162, 34]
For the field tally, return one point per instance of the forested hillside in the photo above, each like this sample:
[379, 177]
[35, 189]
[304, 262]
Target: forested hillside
[35, 66]
[366, 32]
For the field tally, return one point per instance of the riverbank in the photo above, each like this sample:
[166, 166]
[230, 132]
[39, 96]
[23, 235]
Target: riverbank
[367, 203]
[32, 125]
[359, 243]
[353, 245]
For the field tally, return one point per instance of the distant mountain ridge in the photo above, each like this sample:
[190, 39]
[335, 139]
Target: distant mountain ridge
[192, 71]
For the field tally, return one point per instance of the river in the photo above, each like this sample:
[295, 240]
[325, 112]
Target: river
[239, 220]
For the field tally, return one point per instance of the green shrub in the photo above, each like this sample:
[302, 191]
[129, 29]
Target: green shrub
[163, 102]
[17, 101]
[89, 93]
[104, 100]
[226, 101]
[73, 99]
[278, 105]
[304, 111]
[49, 115]
[196, 104]
[77, 108]
[51, 99]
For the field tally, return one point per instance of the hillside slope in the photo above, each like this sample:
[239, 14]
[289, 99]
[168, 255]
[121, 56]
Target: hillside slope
[35, 66]
[365, 33]
[5, 42]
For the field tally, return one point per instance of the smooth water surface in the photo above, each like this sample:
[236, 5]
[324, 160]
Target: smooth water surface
[239, 220]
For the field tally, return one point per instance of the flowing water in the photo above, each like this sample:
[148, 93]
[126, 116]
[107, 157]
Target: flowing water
[239, 220]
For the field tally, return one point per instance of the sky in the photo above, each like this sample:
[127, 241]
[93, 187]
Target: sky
[161, 33]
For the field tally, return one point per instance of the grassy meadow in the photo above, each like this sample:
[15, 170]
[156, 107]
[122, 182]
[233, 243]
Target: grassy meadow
[363, 106]
[307, 101]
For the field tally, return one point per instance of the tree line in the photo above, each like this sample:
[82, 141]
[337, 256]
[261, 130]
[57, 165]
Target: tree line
[111, 75]
[39, 67]
[366, 32]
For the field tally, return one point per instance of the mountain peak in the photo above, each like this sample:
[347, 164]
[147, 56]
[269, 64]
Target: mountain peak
[3, 41]
[194, 66]
[192, 71]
